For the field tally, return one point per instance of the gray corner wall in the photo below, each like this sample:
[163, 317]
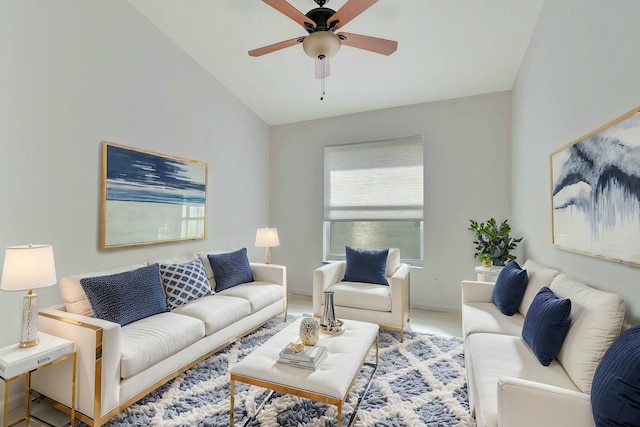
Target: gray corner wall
[579, 73]
[466, 173]
[75, 73]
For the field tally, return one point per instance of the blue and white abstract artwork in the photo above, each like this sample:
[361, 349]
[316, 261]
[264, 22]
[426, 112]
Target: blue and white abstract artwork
[150, 197]
[595, 187]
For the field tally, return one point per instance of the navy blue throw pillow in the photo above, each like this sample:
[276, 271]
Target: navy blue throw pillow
[230, 269]
[615, 391]
[546, 324]
[509, 289]
[126, 297]
[368, 266]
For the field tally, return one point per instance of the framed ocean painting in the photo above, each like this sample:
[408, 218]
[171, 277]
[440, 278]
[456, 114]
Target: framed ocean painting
[595, 192]
[150, 198]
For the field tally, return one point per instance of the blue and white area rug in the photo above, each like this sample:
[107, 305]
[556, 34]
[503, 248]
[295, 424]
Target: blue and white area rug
[419, 382]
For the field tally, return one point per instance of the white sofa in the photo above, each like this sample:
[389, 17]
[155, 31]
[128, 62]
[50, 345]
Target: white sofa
[508, 386]
[117, 365]
[387, 306]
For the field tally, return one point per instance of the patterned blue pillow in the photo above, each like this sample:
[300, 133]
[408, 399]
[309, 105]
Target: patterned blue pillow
[546, 324]
[615, 392]
[184, 282]
[509, 288]
[230, 269]
[368, 266]
[126, 297]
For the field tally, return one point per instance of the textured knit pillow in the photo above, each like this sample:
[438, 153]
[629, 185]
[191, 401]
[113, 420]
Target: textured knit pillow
[615, 391]
[184, 282]
[368, 266]
[546, 324]
[509, 288]
[126, 297]
[230, 269]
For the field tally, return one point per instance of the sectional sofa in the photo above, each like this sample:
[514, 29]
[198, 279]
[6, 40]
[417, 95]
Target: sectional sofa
[508, 384]
[119, 360]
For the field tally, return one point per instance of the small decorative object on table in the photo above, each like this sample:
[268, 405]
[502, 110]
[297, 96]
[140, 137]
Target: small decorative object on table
[309, 357]
[329, 323]
[309, 331]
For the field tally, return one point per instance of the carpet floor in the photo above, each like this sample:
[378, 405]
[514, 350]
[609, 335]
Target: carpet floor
[419, 382]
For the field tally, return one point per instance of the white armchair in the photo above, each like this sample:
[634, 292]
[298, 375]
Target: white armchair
[388, 306]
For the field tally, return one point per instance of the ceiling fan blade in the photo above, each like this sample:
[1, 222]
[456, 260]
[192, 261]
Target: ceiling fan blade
[283, 7]
[373, 44]
[276, 46]
[350, 10]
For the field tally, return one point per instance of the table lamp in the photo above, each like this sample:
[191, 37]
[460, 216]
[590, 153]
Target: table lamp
[27, 268]
[267, 238]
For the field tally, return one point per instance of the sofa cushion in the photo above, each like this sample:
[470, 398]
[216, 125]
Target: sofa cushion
[393, 261]
[509, 288]
[126, 297]
[367, 296]
[230, 269]
[366, 265]
[74, 297]
[152, 339]
[596, 321]
[207, 265]
[486, 317]
[489, 357]
[259, 294]
[184, 282]
[546, 324]
[615, 394]
[216, 311]
[539, 276]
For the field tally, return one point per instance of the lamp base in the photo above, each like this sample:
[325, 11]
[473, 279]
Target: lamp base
[267, 255]
[30, 343]
[29, 332]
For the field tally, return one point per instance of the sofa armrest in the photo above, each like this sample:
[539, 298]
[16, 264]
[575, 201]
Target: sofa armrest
[473, 291]
[323, 277]
[526, 403]
[270, 273]
[400, 294]
[98, 346]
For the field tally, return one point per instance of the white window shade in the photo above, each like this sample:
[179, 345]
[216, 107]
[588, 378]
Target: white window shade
[374, 181]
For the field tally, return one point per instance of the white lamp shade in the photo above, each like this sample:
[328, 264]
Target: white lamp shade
[28, 267]
[267, 237]
[321, 43]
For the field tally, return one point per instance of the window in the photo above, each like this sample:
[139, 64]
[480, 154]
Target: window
[373, 197]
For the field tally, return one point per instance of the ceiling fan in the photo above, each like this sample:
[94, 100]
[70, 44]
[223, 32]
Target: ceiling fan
[322, 42]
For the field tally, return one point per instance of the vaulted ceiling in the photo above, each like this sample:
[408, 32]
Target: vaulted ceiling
[446, 49]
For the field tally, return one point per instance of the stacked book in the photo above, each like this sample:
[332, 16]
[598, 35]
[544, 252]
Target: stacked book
[309, 358]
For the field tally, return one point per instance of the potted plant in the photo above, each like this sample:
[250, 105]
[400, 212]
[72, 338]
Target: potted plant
[485, 259]
[493, 241]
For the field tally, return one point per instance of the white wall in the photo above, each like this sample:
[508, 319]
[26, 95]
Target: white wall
[467, 169]
[75, 73]
[580, 72]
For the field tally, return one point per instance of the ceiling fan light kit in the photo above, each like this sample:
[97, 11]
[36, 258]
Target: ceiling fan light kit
[321, 44]
[321, 24]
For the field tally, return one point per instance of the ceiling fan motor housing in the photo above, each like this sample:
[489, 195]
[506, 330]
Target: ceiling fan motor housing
[321, 16]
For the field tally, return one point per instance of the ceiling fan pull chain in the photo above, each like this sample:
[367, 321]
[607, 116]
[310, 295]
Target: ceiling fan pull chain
[323, 74]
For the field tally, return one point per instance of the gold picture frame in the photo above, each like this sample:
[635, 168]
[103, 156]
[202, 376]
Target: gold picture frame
[595, 192]
[149, 198]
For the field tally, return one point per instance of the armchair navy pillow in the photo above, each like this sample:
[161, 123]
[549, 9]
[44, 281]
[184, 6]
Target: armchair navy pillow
[509, 289]
[230, 269]
[546, 324]
[126, 297]
[366, 265]
[615, 391]
[184, 282]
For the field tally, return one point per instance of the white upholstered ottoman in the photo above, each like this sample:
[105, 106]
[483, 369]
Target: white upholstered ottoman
[330, 383]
